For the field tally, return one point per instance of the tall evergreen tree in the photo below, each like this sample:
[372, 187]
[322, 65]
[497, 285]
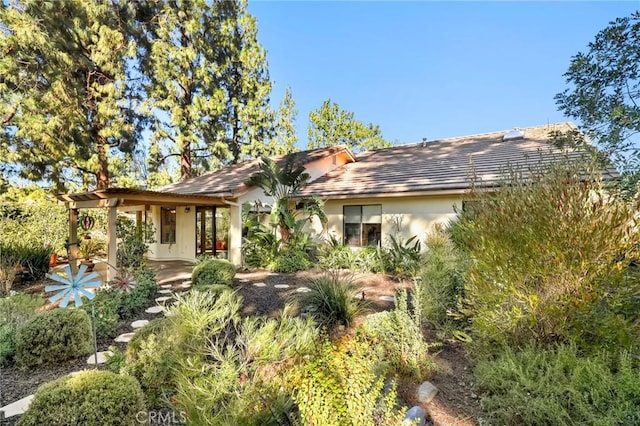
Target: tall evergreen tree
[66, 92]
[284, 137]
[330, 125]
[208, 84]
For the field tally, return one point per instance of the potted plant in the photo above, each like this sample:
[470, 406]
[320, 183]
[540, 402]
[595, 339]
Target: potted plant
[88, 250]
[222, 230]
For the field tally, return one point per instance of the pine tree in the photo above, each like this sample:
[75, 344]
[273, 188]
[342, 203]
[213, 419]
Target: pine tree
[284, 138]
[330, 125]
[63, 88]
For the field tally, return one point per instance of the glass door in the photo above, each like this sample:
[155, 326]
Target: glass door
[212, 231]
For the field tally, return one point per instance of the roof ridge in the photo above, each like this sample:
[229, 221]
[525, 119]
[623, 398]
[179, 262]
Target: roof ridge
[569, 123]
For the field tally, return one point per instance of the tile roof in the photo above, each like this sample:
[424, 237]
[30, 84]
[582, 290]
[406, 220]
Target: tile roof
[445, 164]
[231, 180]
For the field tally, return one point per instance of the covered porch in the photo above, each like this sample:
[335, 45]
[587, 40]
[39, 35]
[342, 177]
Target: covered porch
[181, 222]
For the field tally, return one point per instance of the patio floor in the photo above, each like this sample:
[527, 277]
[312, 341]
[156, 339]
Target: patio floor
[166, 270]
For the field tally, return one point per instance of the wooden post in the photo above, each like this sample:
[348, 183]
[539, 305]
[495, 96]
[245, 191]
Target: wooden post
[235, 235]
[112, 214]
[139, 222]
[72, 249]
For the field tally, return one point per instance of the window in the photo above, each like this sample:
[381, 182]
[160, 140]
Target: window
[168, 225]
[362, 225]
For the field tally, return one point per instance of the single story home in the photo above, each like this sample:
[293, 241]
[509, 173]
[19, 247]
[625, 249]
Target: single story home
[402, 191]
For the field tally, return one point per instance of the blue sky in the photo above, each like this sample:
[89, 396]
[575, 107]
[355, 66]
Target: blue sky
[429, 69]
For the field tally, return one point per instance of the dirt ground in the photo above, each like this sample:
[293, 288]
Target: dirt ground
[455, 404]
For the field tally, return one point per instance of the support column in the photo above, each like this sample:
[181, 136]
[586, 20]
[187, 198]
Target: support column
[139, 222]
[112, 214]
[72, 247]
[235, 235]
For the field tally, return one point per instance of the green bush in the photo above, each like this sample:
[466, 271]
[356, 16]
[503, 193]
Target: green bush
[332, 300]
[88, 398]
[442, 284]
[15, 310]
[53, 336]
[107, 304]
[260, 247]
[399, 332]
[133, 243]
[558, 387]
[291, 260]
[403, 257]
[548, 252]
[340, 385]
[34, 260]
[143, 291]
[213, 271]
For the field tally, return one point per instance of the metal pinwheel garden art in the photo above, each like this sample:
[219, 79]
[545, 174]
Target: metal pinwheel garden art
[75, 286]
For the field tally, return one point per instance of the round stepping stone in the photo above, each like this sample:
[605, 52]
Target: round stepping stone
[102, 357]
[166, 286]
[162, 299]
[388, 298]
[186, 284]
[303, 289]
[139, 323]
[165, 291]
[281, 286]
[243, 280]
[124, 338]
[154, 310]
[259, 284]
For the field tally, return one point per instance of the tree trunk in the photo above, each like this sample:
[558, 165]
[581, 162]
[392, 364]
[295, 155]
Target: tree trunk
[185, 160]
[102, 175]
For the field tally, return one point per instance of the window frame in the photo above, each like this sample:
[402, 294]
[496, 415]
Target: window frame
[168, 213]
[363, 231]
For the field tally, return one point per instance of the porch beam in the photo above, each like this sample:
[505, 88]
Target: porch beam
[94, 204]
[72, 245]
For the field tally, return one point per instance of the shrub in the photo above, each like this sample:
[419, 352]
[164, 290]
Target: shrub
[107, 306]
[133, 243]
[32, 261]
[213, 271]
[548, 252]
[143, 291]
[89, 398]
[400, 334]
[260, 247]
[403, 257]
[442, 284]
[340, 385]
[332, 300]
[290, 260]
[558, 387]
[53, 336]
[15, 310]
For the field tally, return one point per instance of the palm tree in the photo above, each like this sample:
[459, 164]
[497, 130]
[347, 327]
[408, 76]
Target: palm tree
[283, 183]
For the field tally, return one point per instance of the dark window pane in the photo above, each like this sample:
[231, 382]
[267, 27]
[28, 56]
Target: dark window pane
[168, 225]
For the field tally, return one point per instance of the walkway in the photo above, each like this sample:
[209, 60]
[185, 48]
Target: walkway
[166, 270]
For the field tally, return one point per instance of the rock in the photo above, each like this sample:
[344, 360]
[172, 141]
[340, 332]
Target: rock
[426, 392]
[139, 323]
[281, 286]
[102, 357]
[15, 408]
[166, 286]
[164, 291]
[415, 416]
[154, 310]
[303, 289]
[124, 338]
[162, 299]
[259, 284]
[388, 298]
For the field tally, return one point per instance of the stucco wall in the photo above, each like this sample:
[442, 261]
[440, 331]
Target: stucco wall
[402, 217]
[185, 245]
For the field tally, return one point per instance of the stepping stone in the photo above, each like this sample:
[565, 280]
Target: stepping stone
[124, 338]
[165, 291]
[186, 284]
[259, 284]
[102, 357]
[387, 298]
[281, 286]
[139, 323]
[166, 286]
[162, 299]
[15, 408]
[243, 280]
[154, 310]
[169, 313]
[303, 289]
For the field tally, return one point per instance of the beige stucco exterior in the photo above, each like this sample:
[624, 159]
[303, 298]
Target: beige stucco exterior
[402, 217]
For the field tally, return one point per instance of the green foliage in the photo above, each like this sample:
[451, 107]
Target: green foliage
[335, 255]
[260, 247]
[330, 126]
[290, 260]
[80, 112]
[550, 257]
[559, 387]
[90, 398]
[15, 310]
[19, 260]
[441, 272]
[403, 258]
[285, 137]
[332, 300]
[107, 303]
[53, 336]
[399, 333]
[602, 93]
[34, 221]
[143, 291]
[133, 243]
[213, 272]
[340, 385]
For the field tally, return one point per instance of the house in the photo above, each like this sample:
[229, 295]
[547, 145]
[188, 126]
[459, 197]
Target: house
[403, 190]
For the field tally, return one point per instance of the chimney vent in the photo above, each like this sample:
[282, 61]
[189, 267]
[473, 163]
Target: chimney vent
[513, 135]
[424, 142]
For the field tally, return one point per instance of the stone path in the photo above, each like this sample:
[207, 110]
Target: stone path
[15, 408]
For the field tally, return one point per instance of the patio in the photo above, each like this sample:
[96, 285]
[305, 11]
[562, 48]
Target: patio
[166, 270]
